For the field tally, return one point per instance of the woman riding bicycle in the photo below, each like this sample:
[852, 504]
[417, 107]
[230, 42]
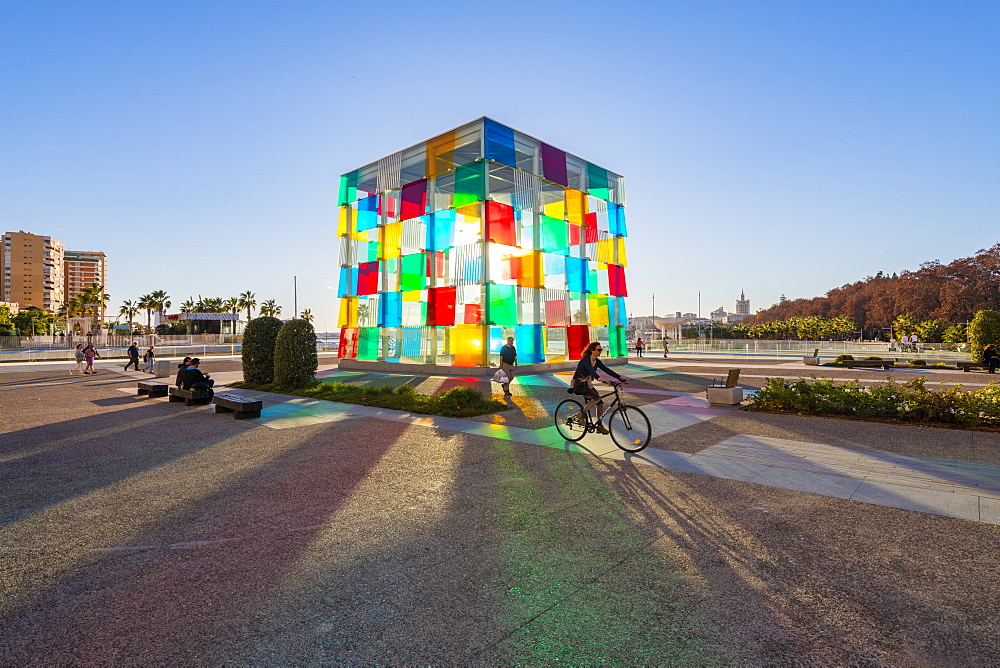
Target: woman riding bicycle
[583, 382]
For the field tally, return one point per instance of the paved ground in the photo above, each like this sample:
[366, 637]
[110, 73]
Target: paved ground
[138, 531]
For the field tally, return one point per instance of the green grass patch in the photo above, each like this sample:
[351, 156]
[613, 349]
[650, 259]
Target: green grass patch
[456, 402]
[906, 402]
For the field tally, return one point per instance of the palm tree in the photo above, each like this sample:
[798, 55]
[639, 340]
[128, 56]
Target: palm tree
[248, 301]
[160, 302]
[148, 303]
[306, 315]
[230, 305]
[188, 306]
[270, 309]
[129, 309]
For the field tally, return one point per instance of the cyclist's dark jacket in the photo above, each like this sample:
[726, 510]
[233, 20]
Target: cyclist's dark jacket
[585, 369]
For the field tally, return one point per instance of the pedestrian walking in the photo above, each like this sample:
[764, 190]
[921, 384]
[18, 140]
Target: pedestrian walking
[89, 353]
[639, 345]
[991, 358]
[80, 357]
[148, 359]
[508, 361]
[133, 356]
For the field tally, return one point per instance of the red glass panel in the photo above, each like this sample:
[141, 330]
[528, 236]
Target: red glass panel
[577, 338]
[368, 278]
[413, 200]
[500, 224]
[441, 307]
[473, 314]
[616, 281]
[348, 348]
[555, 312]
[435, 264]
[579, 234]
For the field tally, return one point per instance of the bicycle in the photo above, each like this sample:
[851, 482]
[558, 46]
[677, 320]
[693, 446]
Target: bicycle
[629, 426]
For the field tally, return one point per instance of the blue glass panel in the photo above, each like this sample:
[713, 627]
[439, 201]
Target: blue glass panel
[619, 318]
[440, 230]
[528, 340]
[410, 346]
[348, 288]
[500, 143]
[367, 213]
[496, 339]
[391, 309]
[616, 219]
[576, 274]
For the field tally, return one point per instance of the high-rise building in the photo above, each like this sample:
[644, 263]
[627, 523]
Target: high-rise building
[32, 271]
[742, 305]
[83, 269]
[452, 245]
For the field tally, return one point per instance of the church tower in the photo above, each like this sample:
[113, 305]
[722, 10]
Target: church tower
[742, 305]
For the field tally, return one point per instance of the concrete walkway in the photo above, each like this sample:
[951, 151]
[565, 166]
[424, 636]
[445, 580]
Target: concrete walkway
[950, 487]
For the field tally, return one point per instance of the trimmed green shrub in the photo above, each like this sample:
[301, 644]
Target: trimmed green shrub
[258, 349]
[908, 402]
[874, 358]
[295, 361]
[918, 363]
[841, 358]
[983, 330]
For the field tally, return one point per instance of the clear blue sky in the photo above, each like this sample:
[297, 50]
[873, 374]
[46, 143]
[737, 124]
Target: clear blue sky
[775, 147]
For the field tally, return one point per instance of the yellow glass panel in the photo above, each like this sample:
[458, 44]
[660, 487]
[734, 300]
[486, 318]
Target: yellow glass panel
[342, 222]
[556, 210]
[597, 311]
[391, 240]
[532, 274]
[576, 206]
[439, 153]
[621, 252]
[606, 251]
[413, 295]
[348, 312]
[467, 345]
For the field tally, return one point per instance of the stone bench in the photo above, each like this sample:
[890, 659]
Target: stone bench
[241, 407]
[724, 391]
[965, 366]
[190, 397]
[152, 389]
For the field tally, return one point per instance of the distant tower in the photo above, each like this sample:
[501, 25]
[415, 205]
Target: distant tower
[742, 305]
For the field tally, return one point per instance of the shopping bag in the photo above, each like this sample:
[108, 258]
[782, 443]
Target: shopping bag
[501, 377]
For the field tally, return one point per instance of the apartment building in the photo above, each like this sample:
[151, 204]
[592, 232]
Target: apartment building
[33, 272]
[83, 269]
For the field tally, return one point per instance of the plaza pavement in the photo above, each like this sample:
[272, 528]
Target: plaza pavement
[138, 530]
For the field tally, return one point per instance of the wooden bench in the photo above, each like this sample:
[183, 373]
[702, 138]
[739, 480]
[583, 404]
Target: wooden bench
[869, 364]
[965, 366]
[241, 407]
[152, 389]
[189, 397]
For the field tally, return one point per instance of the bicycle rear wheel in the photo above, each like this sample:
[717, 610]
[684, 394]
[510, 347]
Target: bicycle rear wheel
[567, 423]
[630, 429]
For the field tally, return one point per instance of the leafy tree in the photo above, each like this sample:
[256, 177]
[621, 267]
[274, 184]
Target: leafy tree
[295, 360]
[258, 349]
[270, 308]
[955, 334]
[4, 314]
[30, 322]
[984, 329]
[904, 325]
[931, 331]
[248, 301]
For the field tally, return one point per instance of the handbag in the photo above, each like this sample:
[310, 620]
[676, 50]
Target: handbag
[501, 377]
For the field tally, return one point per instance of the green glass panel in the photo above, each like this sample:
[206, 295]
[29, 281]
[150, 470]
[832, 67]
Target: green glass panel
[470, 183]
[592, 281]
[368, 343]
[616, 342]
[414, 273]
[348, 188]
[553, 235]
[503, 305]
[597, 182]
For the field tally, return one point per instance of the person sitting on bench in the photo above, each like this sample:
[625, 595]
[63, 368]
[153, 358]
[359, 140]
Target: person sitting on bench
[194, 379]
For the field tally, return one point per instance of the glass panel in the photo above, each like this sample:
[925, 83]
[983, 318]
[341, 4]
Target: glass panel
[500, 143]
[575, 172]
[368, 343]
[414, 272]
[391, 311]
[413, 200]
[598, 307]
[368, 278]
[576, 207]
[555, 344]
[413, 164]
[526, 151]
[348, 188]
[368, 180]
[467, 345]
[348, 348]
[500, 226]
[348, 316]
[470, 183]
[348, 282]
[530, 347]
[501, 184]
[616, 342]
[441, 230]
[440, 153]
[616, 281]
[441, 307]
[502, 305]
[366, 216]
[576, 274]
[554, 165]
[597, 182]
[577, 339]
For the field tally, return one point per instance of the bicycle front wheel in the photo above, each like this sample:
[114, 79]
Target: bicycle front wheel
[630, 429]
[568, 422]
